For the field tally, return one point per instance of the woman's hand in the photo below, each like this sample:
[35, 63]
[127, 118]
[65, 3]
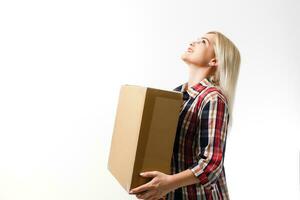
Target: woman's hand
[157, 188]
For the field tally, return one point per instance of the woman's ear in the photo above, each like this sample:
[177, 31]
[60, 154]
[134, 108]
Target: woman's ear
[213, 63]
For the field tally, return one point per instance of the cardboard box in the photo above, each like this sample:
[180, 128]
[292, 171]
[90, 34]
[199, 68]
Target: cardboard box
[143, 134]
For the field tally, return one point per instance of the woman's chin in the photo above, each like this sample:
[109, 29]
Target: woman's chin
[185, 57]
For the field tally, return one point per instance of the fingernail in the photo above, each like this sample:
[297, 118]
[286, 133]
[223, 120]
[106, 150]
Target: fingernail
[141, 173]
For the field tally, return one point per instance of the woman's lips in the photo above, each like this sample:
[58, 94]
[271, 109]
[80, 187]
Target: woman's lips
[190, 50]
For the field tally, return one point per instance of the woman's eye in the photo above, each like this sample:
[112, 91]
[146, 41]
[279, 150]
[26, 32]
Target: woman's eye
[200, 41]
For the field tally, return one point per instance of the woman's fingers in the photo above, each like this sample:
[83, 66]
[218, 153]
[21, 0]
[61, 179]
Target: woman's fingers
[146, 195]
[150, 174]
[141, 188]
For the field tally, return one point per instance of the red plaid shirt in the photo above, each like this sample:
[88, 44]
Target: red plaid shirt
[200, 142]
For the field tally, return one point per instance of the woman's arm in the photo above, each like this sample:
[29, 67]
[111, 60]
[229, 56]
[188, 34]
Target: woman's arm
[213, 121]
[183, 178]
[161, 183]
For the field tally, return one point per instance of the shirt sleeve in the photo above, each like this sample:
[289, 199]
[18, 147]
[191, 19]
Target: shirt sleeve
[212, 133]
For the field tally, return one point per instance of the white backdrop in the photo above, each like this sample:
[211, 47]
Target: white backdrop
[62, 64]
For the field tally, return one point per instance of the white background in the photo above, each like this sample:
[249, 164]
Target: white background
[62, 64]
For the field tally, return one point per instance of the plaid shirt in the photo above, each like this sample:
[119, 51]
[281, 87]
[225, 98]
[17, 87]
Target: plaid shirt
[200, 142]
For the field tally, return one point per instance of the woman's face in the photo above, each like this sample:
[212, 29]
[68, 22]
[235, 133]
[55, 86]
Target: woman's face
[201, 51]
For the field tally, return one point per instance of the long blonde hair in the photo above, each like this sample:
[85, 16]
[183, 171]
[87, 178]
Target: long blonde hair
[226, 74]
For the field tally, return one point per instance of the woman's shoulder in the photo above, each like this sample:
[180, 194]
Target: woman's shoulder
[213, 93]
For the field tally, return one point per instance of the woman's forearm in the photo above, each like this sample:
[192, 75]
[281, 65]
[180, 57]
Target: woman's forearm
[183, 178]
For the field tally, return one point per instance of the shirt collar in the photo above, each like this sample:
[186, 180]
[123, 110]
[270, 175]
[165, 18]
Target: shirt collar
[194, 90]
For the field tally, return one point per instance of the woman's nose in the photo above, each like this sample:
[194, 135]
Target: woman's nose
[192, 43]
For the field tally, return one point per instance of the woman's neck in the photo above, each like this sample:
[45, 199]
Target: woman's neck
[196, 74]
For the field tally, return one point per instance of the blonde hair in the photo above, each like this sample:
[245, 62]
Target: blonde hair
[226, 74]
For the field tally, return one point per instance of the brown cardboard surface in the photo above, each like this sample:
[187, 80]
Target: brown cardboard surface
[143, 134]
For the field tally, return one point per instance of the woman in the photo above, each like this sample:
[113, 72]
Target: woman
[205, 119]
